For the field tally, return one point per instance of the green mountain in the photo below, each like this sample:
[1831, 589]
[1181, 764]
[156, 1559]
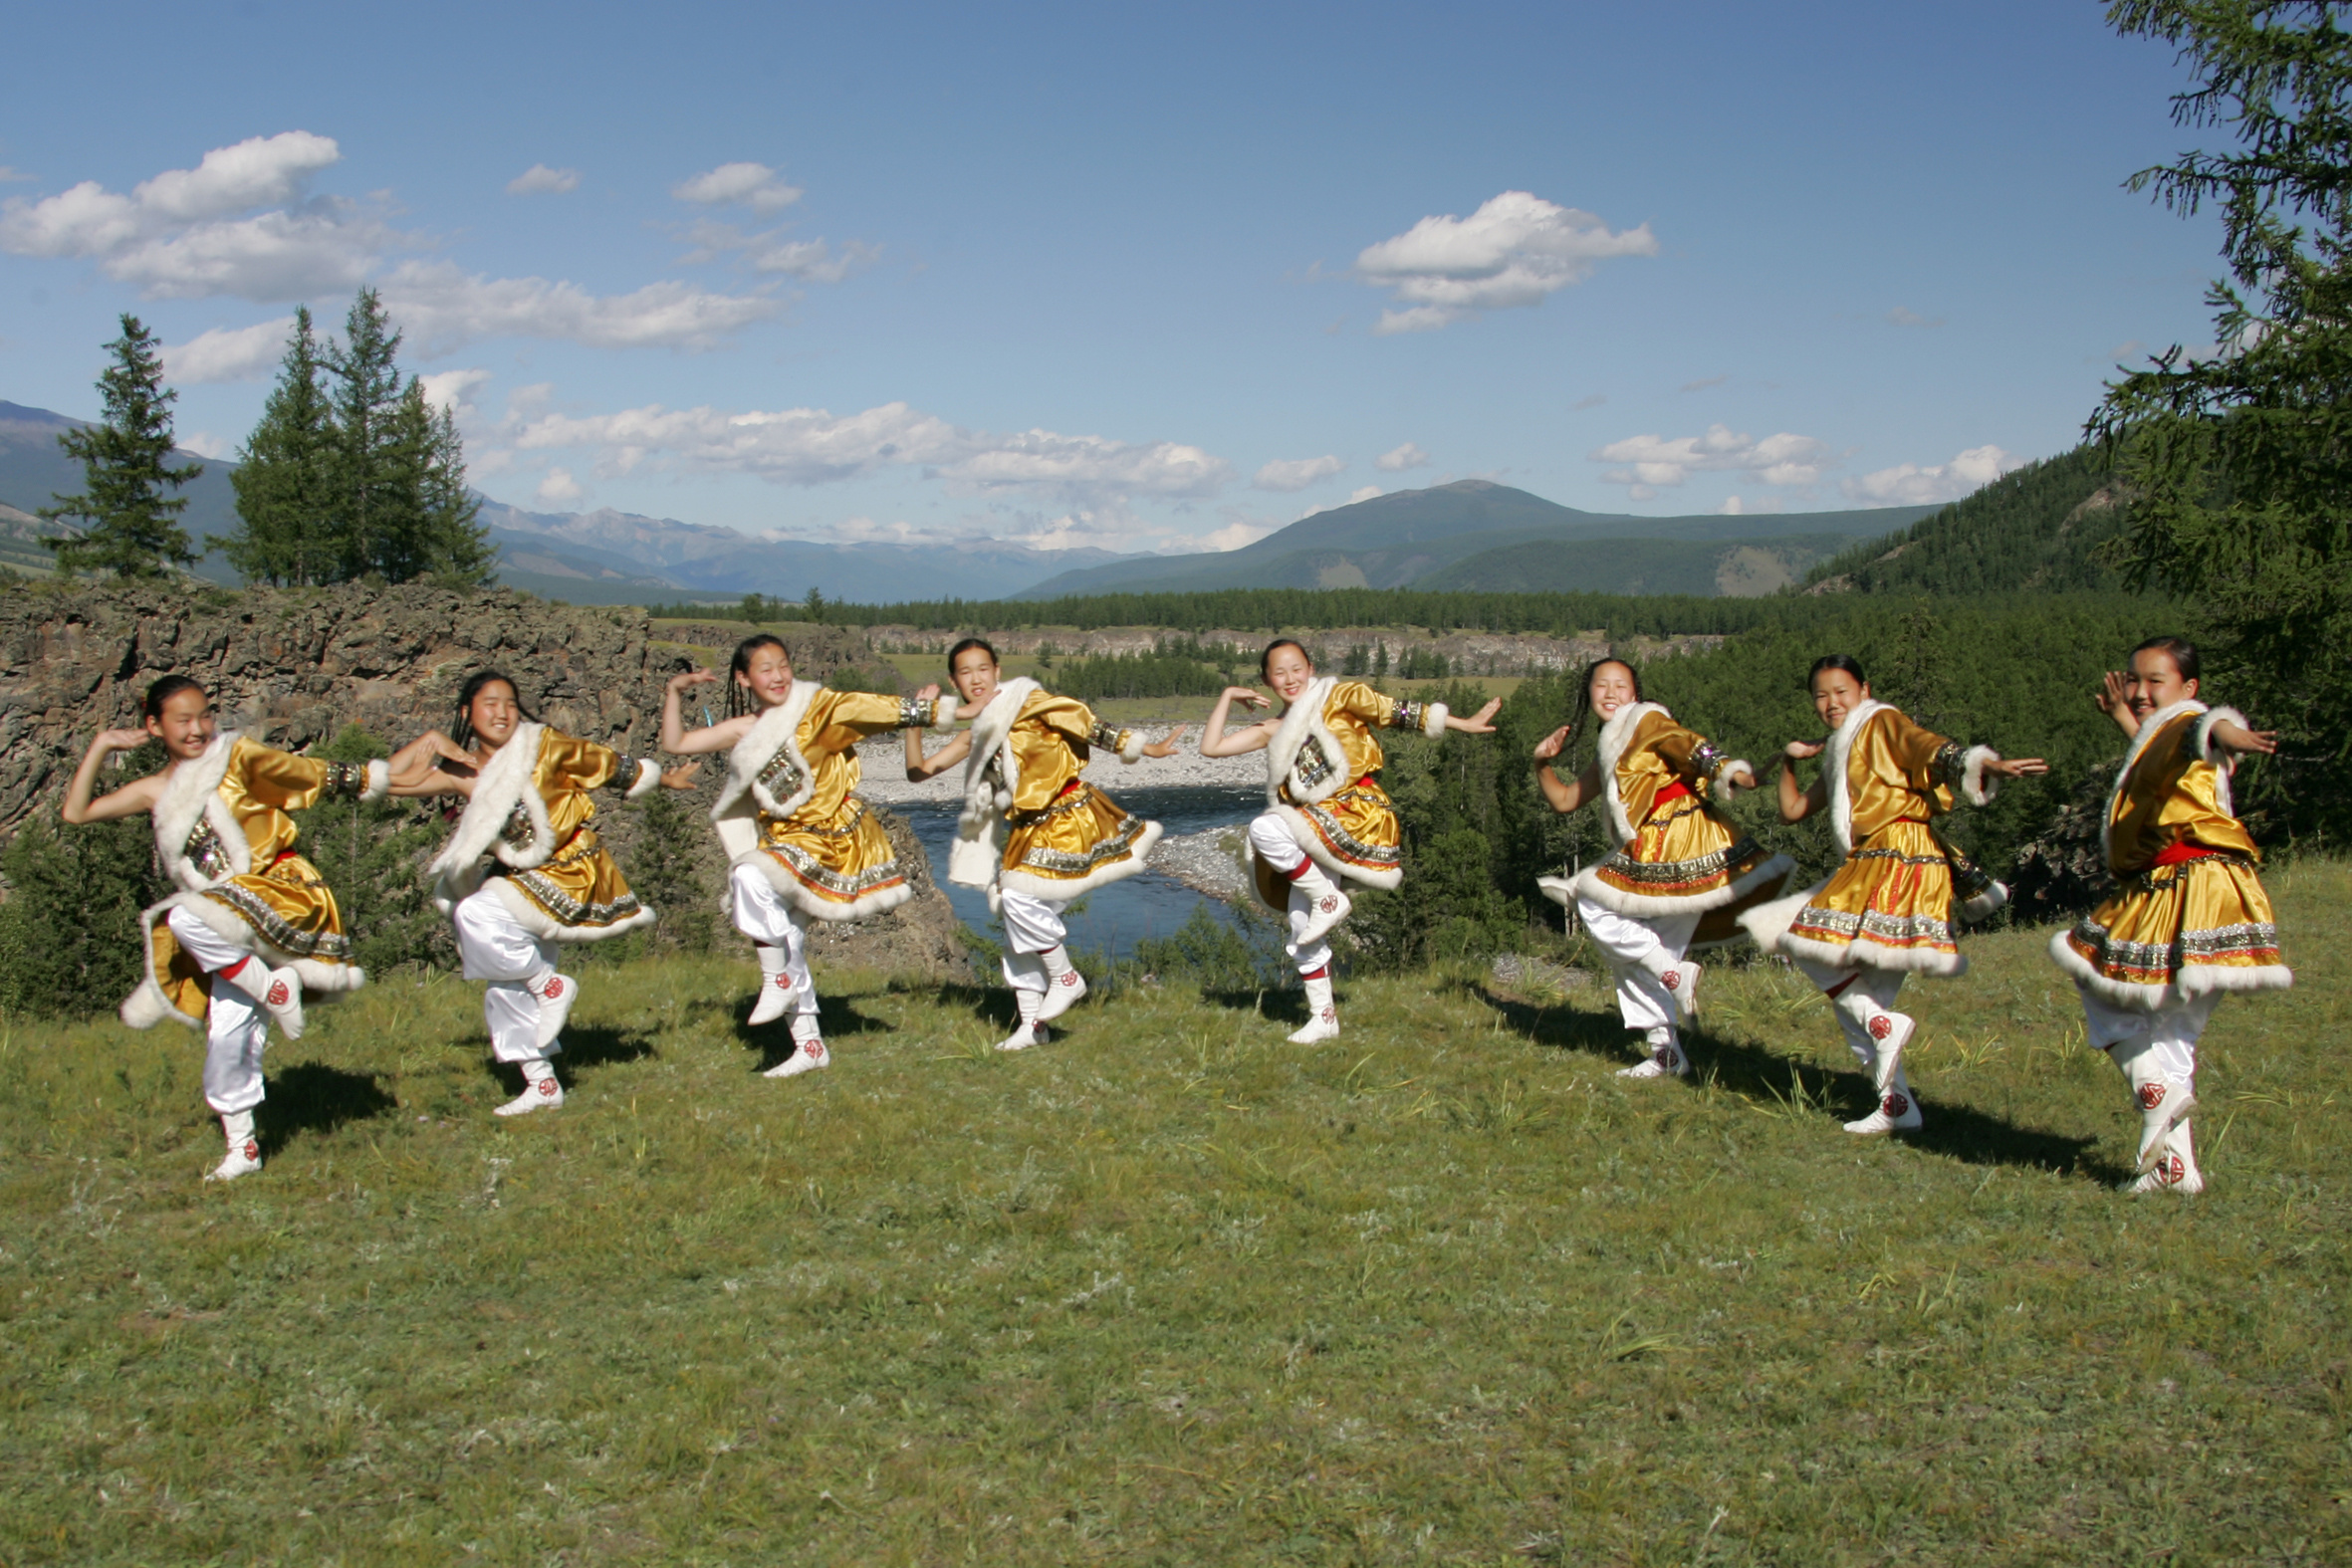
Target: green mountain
[2039, 527]
[1474, 534]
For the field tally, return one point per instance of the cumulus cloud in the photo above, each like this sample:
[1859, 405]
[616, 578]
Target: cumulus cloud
[1513, 251]
[205, 444]
[1907, 484]
[1649, 463]
[559, 486]
[453, 388]
[812, 261]
[539, 181]
[813, 446]
[754, 186]
[1288, 474]
[1238, 532]
[229, 354]
[195, 233]
[1397, 459]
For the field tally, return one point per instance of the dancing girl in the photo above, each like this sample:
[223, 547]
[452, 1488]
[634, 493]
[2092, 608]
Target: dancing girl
[1887, 912]
[801, 843]
[2189, 920]
[1033, 831]
[253, 925]
[525, 870]
[1678, 873]
[1326, 814]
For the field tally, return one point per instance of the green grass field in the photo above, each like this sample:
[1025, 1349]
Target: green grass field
[1173, 1292]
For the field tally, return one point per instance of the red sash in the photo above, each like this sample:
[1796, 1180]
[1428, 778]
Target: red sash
[2179, 853]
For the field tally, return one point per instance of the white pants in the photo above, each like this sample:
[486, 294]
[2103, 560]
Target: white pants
[1878, 987]
[766, 916]
[2172, 1029]
[1271, 841]
[1632, 942]
[1031, 926]
[235, 1027]
[495, 946]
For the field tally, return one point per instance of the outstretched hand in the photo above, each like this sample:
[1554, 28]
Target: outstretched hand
[685, 678]
[119, 740]
[680, 777]
[2240, 739]
[1246, 696]
[1799, 751]
[1478, 722]
[1739, 776]
[1166, 747]
[928, 692]
[1549, 747]
[2016, 767]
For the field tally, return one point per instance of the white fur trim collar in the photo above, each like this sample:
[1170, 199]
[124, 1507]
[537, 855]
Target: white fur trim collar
[743, 796]
[192, 792]
[504, 784]
[1303, 719]
[975, 856]
[1615, 735]
[1841, 791]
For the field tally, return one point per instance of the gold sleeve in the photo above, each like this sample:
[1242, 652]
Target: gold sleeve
[1373, 707]
[567, 762]
[842, 718]
[282, 780]
[1687, 753]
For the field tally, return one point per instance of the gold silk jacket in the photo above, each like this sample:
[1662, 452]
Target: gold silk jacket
[1676, 853]
[528, 832]
[1064, 835]
[1890, 905]
[223, 832]
[812, 837]
[2190, 916]
[1320, 767]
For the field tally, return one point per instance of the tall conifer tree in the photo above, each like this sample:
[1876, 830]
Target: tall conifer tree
[374, 480]
[460, 544]
[287, 505]
[128, 519]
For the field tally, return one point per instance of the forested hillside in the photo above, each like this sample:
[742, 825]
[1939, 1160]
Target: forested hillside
[2039, 527]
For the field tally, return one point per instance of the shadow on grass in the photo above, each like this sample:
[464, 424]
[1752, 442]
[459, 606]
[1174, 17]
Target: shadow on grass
[584, 1048]
[1957, 1131]
[311, 1097]
[1274, 1004]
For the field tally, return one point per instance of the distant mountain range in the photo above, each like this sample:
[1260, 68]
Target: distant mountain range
[1470, 534]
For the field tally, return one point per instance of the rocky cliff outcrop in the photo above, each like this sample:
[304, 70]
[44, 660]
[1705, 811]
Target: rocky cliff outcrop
[297, 665]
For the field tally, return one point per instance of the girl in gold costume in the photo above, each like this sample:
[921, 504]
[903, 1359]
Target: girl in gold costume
[1680, 872]
[799, 841]
[253, 924]
[2189, 920]
[1888, 911]
[1325, 814]
[1033, 831]
[525, 870]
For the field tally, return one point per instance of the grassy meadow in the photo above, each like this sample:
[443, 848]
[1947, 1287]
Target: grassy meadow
[1173, 1292]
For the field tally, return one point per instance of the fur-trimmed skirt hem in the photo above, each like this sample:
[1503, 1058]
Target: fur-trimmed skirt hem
[150, 1003]
[2189, 981]
[795, 890]
[1770, 872]
[534, 918]
[1337, 859]
[1062, 889]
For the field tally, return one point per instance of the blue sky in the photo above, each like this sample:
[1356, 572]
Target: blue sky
[1129, 276]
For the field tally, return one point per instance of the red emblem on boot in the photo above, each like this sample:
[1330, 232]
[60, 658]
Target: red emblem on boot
[2151, 1096]
[276, 995]
[1896, 1105]
[1881, 1026]
[1329, 903]
[815, 1050]
[1069, 979]
[548, 1088]
[555, 988]
[253, 1148]
[1671, 980]
[2172, 1169]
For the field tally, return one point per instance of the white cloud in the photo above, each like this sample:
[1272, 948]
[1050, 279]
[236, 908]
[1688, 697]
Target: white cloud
[812, 261]
[1397, 459]
[1907, 484]
[560, 487]
[1732, 507]
[1512, 252]
[813, 446]
[539, 181]
[1365, 494]
[205, 444]
[453, 388]
[1236, 534]
[1289, 474]
[443, 309]
[192, 234]
[229, 354]
[1361, 493]
[1650, 462]
[755, 186]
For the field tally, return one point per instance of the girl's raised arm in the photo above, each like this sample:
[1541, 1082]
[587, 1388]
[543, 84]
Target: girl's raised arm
[1796, 805]
[1251, 737]
[133, 799]
[679, 741]
[920, 768]
[1565, 794]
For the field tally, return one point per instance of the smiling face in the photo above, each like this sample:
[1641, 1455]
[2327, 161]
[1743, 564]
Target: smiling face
[1288, 673]
[494, 713]
[1836, 693]
[185, 726]
[975, 675]
[767, 675]
[1611, 688]
[2155, 682]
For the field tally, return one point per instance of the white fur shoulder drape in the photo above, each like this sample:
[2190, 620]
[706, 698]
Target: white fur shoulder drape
[978, 853]
[743, 798]
[506, 782]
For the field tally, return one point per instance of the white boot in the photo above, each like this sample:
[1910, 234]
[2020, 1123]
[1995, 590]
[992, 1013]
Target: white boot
[541, 1090]
[1666, 1058]
[1322, 1014]
[776, 984]
[1889, 1033]
[556, 994]
[1681, 981]
[2174, 1170]
[1327, 906]
[279, 990]
[244, 1156]
[1897, 1111]
[1030, 1032]
[2163, 1103]
[1064, 984]
[808, 1052]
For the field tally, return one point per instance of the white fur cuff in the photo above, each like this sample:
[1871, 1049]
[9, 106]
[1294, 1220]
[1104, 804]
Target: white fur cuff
[1975, 783]
[1433, 723]
[1721, 790]
[649, 777]
[1130, 746]
[2204, 732]
[380, 781]
[943, 712]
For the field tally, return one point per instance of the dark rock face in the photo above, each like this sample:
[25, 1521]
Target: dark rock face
[293, 666]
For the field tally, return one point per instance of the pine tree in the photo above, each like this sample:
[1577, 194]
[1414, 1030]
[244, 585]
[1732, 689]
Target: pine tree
[285, 479]
[460, 548]
[377, 481]
[128, 526]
